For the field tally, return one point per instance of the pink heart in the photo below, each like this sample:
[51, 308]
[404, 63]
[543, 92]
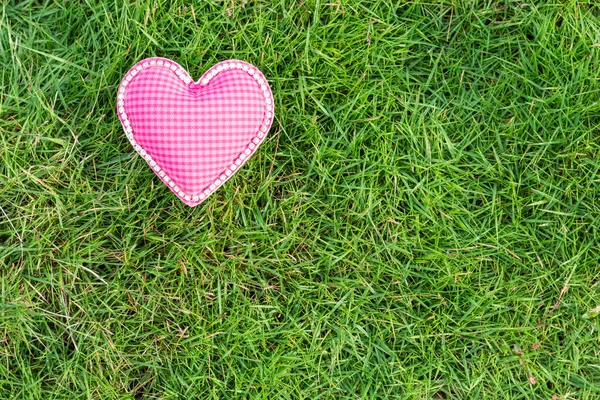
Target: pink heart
[195, 135]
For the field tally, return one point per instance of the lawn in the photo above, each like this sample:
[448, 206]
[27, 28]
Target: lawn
[422, 221]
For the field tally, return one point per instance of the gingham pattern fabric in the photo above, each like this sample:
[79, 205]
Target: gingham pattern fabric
[195, 135]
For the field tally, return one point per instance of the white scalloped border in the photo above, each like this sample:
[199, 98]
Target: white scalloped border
[184, 76]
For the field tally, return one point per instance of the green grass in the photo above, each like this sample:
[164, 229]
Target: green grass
[423, 221]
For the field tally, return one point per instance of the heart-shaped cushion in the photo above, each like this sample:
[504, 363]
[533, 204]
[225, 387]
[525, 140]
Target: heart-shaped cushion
[195, 135]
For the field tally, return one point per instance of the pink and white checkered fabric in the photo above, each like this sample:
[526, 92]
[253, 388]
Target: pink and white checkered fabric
[195, 135]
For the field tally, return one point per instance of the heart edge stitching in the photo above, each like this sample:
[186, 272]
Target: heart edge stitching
[184, 76]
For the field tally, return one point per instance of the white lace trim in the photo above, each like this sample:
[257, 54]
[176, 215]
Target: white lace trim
[182, 74]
